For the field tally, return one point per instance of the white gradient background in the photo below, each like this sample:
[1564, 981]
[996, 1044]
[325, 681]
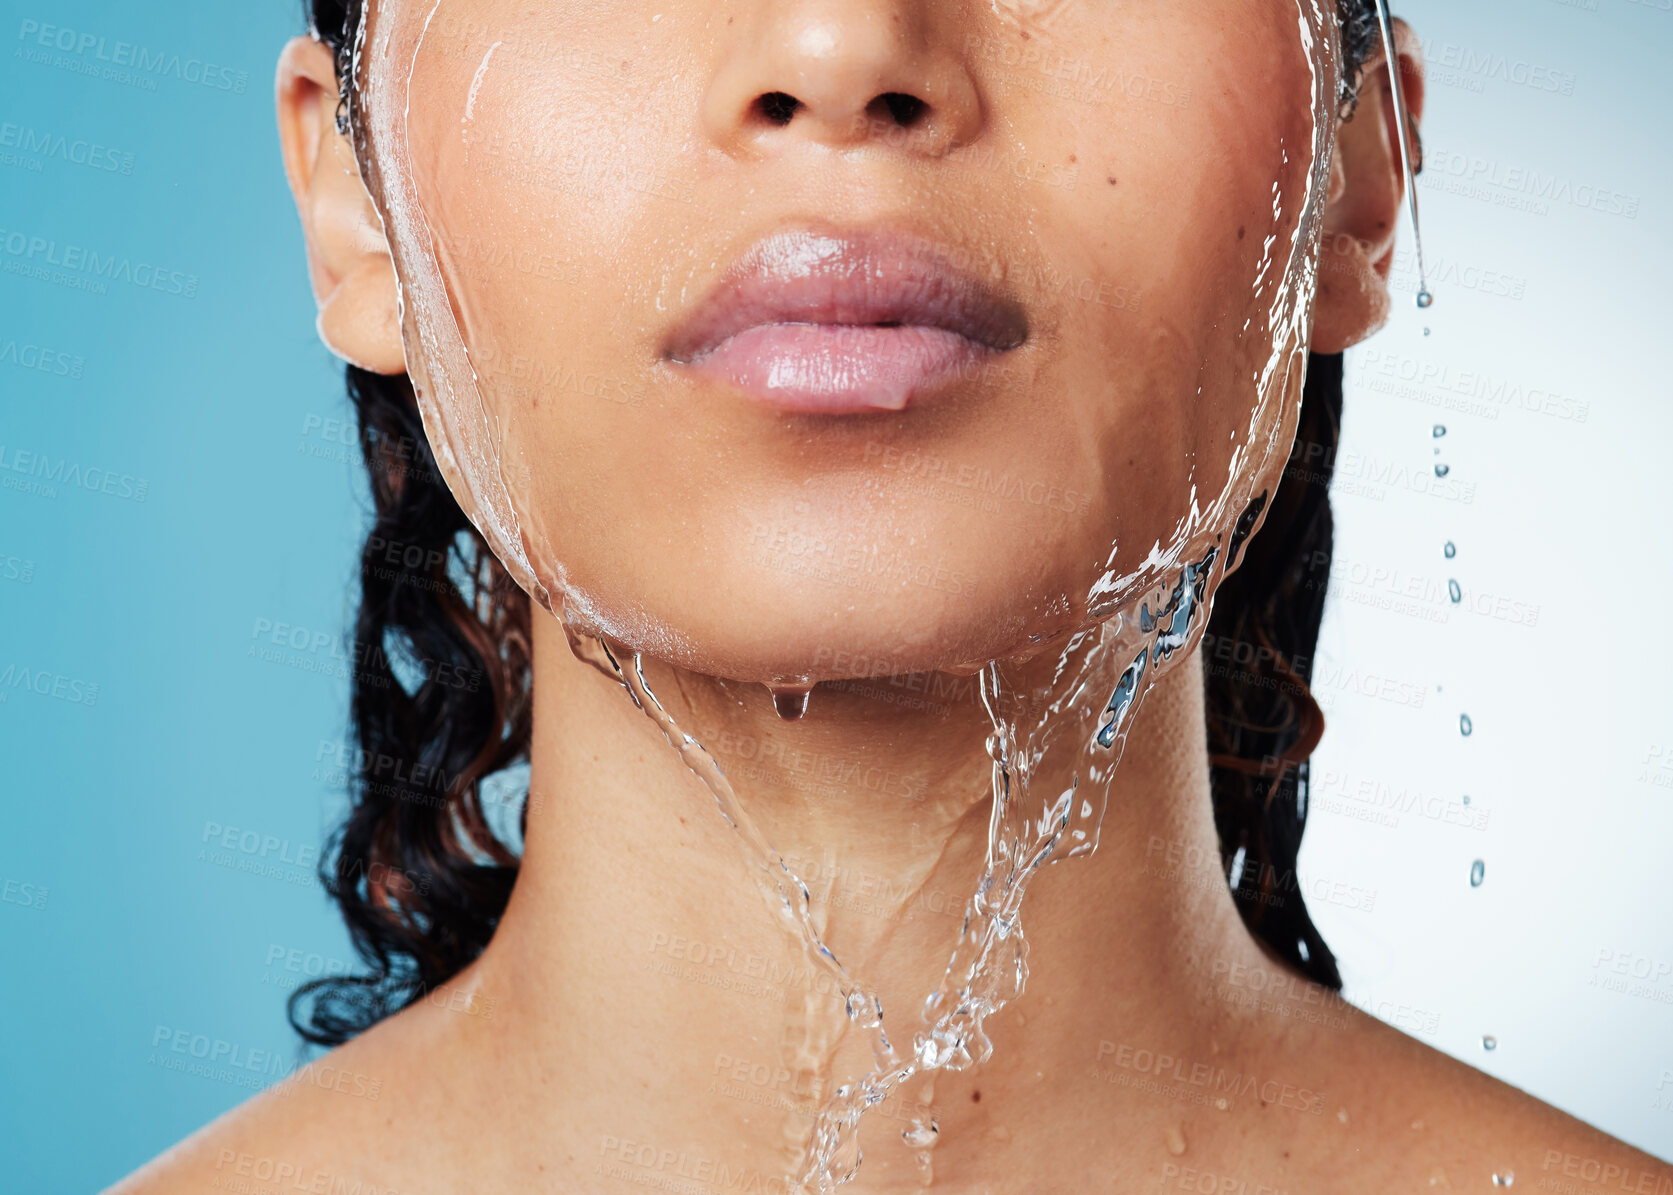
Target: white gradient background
[1571, 758]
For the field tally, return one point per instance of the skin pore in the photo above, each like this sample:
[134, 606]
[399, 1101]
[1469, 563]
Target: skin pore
[628, 1024]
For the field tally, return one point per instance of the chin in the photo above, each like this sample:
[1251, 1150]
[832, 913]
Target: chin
[801, 592]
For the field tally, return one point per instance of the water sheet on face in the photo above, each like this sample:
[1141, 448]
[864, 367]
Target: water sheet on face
[1057, 712]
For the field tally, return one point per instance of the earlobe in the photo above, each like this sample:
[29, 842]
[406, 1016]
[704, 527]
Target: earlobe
[349, 264]
[1367, 187]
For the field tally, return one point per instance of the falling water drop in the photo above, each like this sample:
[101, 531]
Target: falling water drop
[1440, 430]
[1478, 873]
[1442, 470]
[1451, 549]
[1508, 1178]
[1465, 726]
[1489, 1042]
[1455, 592]
[790, 698]
[1176, 1139]
[1425, 300]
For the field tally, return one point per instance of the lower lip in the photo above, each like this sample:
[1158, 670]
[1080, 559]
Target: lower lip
[841, 369]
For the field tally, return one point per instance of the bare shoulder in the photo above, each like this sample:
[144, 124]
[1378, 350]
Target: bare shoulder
[330, 1126]
[1428, 1121]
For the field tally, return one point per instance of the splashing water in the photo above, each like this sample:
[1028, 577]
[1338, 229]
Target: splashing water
[1040, 731]
[1057, 735]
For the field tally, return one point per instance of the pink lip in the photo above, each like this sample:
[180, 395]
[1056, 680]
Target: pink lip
[819, 323]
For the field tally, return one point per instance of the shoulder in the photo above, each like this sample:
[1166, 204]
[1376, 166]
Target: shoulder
[1429, 1120]
[330, 1126]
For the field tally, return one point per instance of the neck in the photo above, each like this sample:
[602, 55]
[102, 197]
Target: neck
[642, 971]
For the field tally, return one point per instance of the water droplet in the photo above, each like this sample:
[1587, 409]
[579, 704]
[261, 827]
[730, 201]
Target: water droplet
[1454, 591]
[1176, 1140]
[1437, 1178]
[1440, 430]
[1342, 1115]
[1425, 300]
[790, 698]
[862, 1011]
[1222, 1103]
[1507, 1179]
[1426, 331]
[1466, 798]
[1451, 549]
[920, 1135]
[1417, 1124]
[1478, 873]
[1442, 470]
[1465, 726]
[1489, 1042]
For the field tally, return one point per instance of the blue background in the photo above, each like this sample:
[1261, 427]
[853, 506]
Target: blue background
[217, 402]
[157, 870]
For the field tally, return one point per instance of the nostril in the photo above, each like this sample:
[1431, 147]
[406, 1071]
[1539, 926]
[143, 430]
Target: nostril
[777, 108]
[905, 110]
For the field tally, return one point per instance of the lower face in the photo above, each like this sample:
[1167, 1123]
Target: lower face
[872, 388]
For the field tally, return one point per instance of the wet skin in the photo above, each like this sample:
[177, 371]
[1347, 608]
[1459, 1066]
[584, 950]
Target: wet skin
[610, 1037]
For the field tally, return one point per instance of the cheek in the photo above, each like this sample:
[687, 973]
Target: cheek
[1195, 180]
[546, 176]
[545, 190]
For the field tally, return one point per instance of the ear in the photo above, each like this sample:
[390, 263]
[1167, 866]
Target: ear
[1367, 185]
[348, 259]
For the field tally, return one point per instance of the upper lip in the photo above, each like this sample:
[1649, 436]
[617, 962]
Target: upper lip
[870, 278]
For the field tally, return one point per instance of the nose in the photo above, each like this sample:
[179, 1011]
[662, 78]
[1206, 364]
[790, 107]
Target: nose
[841, 73]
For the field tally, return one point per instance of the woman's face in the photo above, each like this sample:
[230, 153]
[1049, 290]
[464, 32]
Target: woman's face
[826, 338]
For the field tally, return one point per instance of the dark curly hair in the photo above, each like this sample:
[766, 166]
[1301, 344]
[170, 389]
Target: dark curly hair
[441, 694]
